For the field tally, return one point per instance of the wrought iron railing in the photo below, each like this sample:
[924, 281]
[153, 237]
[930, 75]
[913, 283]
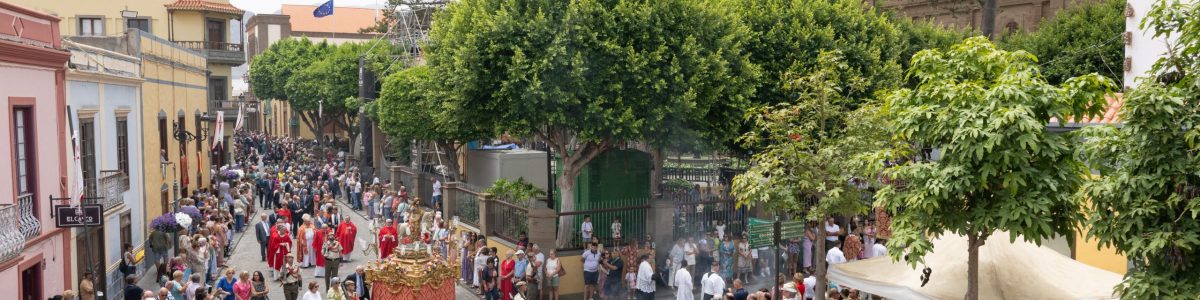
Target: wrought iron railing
[12, 240]
[208, 45]
[112, 185]
[467, 208]
[507, 220]
[30, 225]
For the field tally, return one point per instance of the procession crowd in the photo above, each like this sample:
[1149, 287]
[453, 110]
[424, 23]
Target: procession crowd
[285, 189]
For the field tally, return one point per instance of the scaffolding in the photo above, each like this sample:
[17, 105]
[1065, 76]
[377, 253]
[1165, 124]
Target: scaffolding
[412, 21]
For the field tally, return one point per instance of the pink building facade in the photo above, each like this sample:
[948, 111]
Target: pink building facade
[34, 260]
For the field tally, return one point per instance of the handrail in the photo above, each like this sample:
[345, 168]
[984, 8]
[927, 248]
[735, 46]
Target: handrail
[506, 203]
[210, 45]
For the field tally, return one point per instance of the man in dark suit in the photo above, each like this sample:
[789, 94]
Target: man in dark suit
[362, 289]
[262, 233]
[132, 291]
[297, 213]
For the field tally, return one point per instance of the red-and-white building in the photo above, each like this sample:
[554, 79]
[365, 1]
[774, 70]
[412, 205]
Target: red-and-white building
[34, 264]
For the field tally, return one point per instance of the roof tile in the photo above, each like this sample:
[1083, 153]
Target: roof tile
[201, 5]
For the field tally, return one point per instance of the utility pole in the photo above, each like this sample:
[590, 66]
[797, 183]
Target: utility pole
[778, 232]
[366, 91]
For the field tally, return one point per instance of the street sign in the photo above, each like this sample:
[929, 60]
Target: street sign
[84, 215]
[762, 232]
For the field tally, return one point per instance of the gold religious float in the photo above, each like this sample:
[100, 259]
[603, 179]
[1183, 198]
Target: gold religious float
[416, 270]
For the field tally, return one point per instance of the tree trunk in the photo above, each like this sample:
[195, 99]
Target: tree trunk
[820, 264]
[566, 193]
[974, 241]
[988, 19]
[449, 155]
[307, 118]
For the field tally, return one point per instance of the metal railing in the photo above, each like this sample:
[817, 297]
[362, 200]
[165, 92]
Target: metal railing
[231, 105]
[31, 227]
[209, 45]
[690, 174]
[467, 208]
[632, 224]
[507, 220]
[702, 213]
[112, 185]
[12, 239]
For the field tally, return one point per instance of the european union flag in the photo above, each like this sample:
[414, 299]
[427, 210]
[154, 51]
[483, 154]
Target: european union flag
[324, 10]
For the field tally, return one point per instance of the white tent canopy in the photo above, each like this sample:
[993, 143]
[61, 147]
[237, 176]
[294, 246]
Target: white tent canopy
[1007, 270]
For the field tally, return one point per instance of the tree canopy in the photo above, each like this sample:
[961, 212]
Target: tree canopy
[787, 36]
[986, 111]
[586, 76]
[1145, 201]
[318, 79]
[917, 35]
[408, 108]
[271, 70]
[1082, 39]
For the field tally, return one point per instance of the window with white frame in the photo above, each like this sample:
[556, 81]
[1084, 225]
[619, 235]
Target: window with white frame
[91, 26]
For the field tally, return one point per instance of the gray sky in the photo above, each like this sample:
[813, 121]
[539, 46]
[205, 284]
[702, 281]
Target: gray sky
[272, 6]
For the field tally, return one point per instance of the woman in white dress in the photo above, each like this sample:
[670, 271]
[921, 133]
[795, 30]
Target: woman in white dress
[481, 257]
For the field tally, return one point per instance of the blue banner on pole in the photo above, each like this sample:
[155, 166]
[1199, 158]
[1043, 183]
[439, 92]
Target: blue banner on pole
[324, 10]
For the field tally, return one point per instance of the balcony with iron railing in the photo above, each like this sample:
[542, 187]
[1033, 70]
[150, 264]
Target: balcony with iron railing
[30, 226]
[110, 188]
[12, 240]
[218, 52]
[230, 107]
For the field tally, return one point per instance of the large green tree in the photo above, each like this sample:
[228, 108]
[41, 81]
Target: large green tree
[986, 111]
[273, 70]
[588, 76]
[410, 109]
[318, 80]
[326, 92]
[1082, 39]
[1146, 201]
[270, 71]
[813, 163]
[787, 36]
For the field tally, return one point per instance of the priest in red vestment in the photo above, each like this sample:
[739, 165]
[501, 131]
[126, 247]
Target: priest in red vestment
[318, 245]
[388, 239]
[345, 234]
[279, 248]
[283, 214]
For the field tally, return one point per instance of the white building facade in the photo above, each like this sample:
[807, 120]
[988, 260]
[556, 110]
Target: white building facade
[104, 96]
